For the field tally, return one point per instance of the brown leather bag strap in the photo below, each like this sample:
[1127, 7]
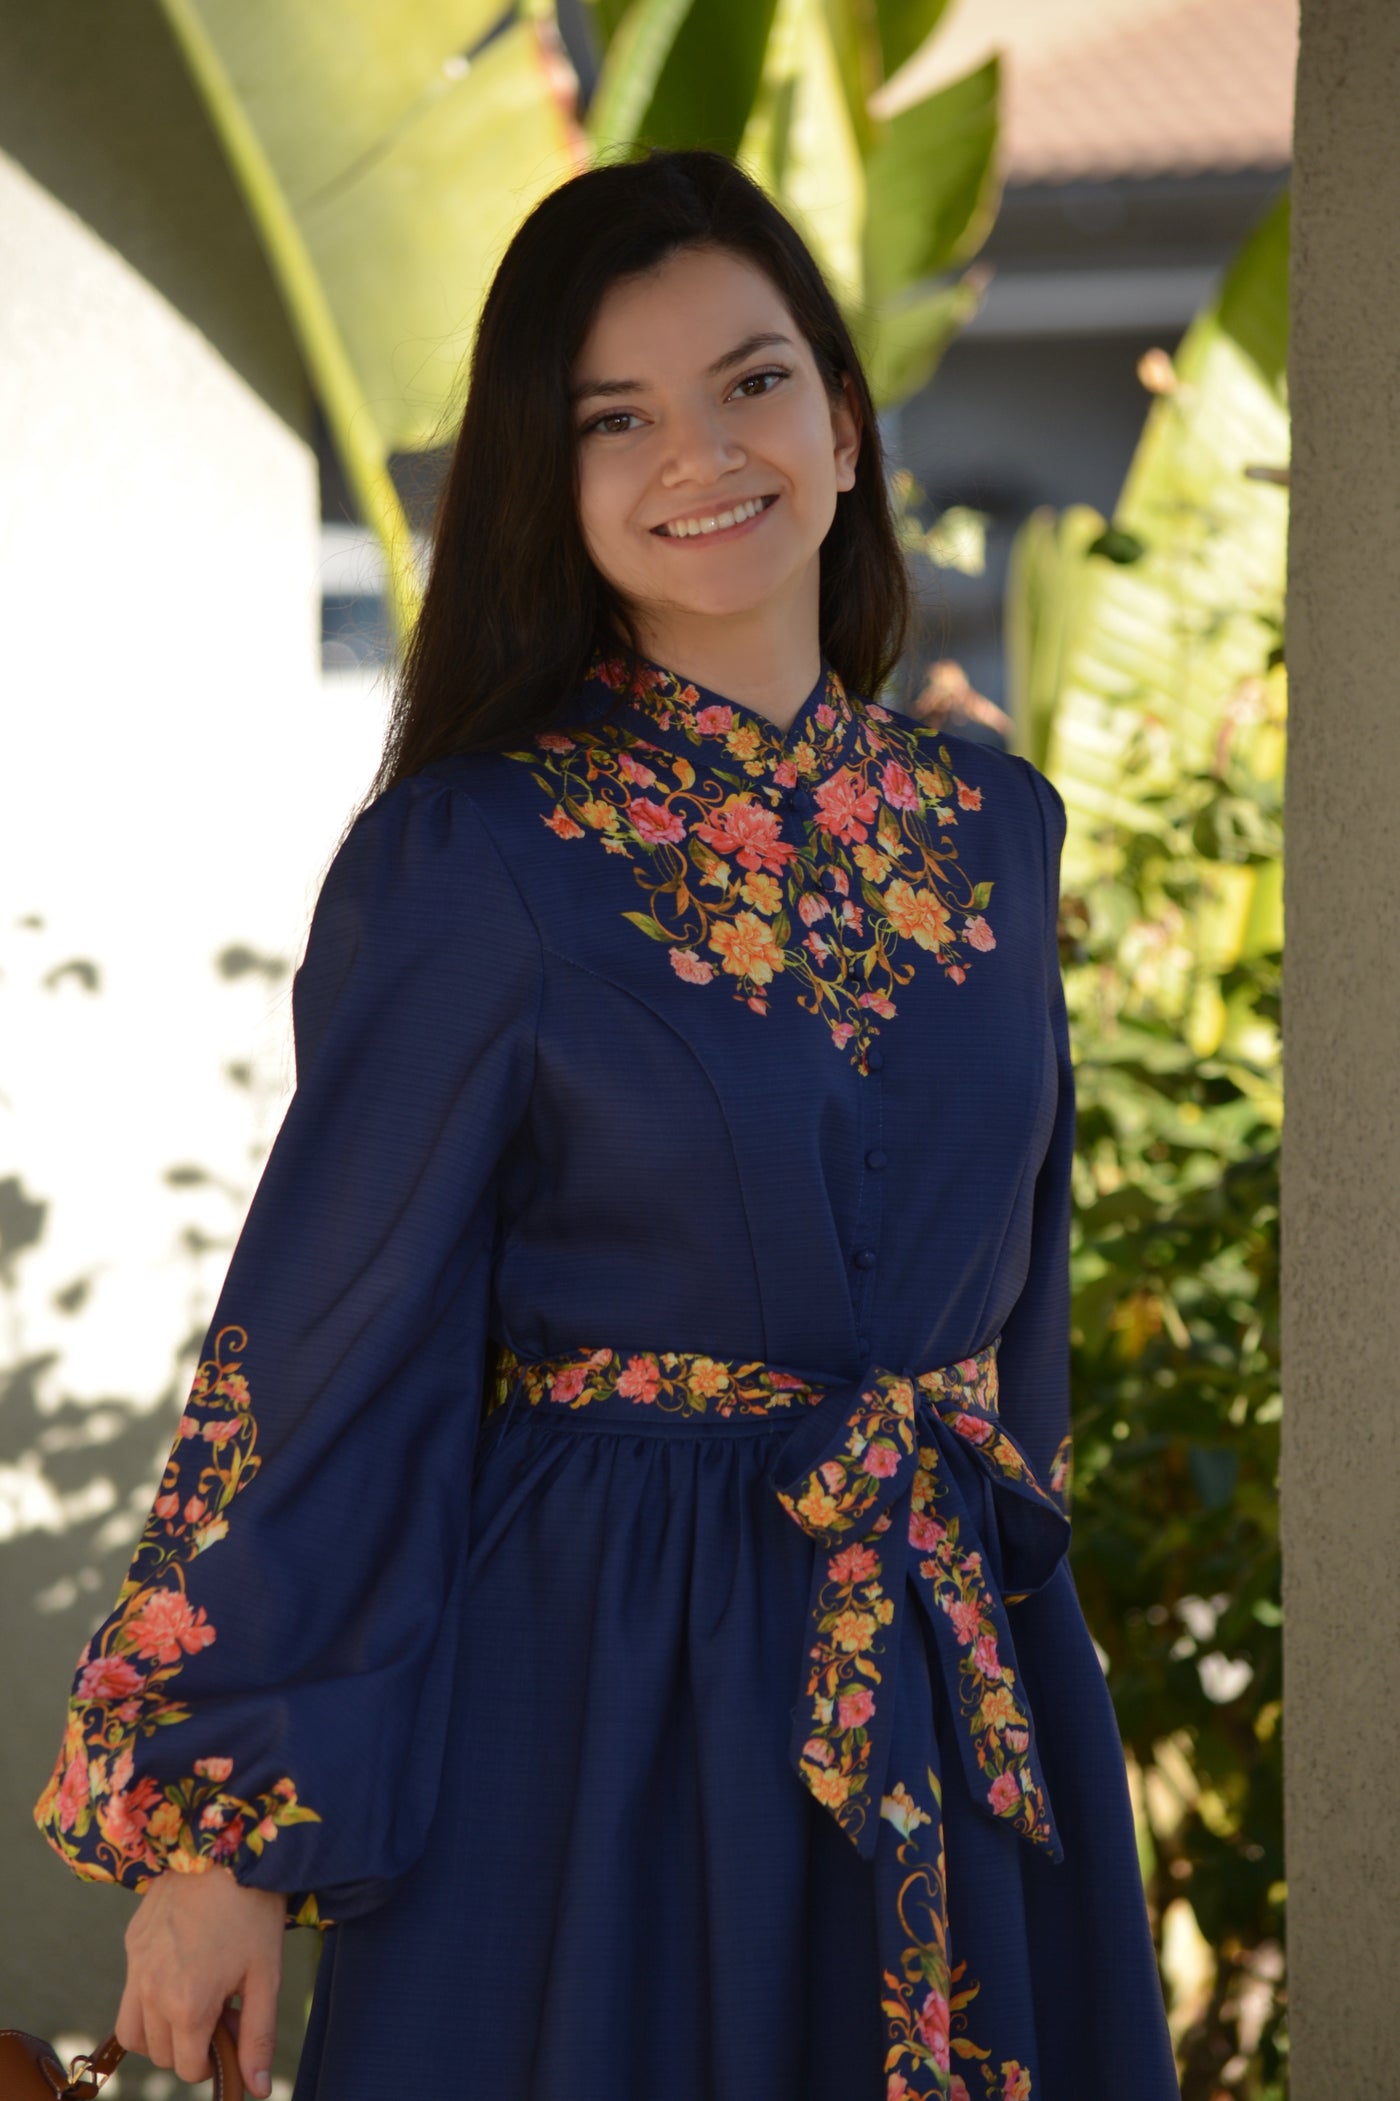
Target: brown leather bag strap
[87, 2075]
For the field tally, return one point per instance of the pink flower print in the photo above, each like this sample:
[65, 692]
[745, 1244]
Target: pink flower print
[818, 1750]
[553, 740]
[979, 933]
[642, 1379]
[213, 1768]
[819, 948]
[760, 1006]
[852, 1565]
[785, 774]
[896, 2087]
[123, 1819]
[109, 1678]
[854, 1708]
[972, 1428]
[1017, 1739]
[969, 798]
[167, 1627]
[221, 1432]
[966, 1615]
[852, 915]
[985, 1656]
[897, 785]
[1003, 1794]
[811, 907]
[879, 1004]
[924, 1531]
[932, 2029]
[188, 1426]
[741, 828]
[714, 721]
[842, 1032]
[633, 770]
[1016, 2083]
[567, 1385]
[195, 1509]
[561, 822]
[956, 972]
[73, 1791]
[691, 967]
[826, 714]
[848, 807]
[228, 1841]
[957, 2090]
[166, 1505]
[654, 824]
[882, 1460]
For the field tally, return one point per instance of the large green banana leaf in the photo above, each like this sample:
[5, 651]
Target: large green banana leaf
[1160, 617]
[386, 153]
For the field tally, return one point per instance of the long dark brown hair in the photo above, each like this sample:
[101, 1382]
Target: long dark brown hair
[514, 606]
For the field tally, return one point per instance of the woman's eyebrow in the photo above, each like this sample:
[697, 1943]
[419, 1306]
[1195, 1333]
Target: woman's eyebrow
[764, 340]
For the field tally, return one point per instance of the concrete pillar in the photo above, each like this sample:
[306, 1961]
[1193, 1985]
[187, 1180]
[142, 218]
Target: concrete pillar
[1341, 1141]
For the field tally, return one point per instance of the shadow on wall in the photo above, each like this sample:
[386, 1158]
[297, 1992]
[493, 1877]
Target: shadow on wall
[77, 1474]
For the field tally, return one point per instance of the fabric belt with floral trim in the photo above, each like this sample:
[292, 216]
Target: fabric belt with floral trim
[909, 1485]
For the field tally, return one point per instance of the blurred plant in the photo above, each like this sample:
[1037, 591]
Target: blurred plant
[1148, 680]
[386, 153]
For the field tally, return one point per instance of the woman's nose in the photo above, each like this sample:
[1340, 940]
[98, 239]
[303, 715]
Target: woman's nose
[701, 448]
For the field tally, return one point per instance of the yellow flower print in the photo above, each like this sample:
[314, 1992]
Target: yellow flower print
[899, 1808]
[873, 866]
[707, 1378]
[746, 948]
[829, 1788]
[764, 893]
[918, 916]
[853, 1631]
[600, 815]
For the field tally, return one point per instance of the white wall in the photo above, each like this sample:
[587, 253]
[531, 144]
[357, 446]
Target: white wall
[174, 774]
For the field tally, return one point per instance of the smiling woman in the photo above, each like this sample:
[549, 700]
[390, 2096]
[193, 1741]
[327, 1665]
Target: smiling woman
[610, 1575]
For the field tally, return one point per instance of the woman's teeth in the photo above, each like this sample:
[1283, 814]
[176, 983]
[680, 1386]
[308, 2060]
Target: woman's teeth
[684, 528]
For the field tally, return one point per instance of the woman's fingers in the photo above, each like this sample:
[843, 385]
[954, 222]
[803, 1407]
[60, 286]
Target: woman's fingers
[257, 2026]
[160, 2047]
[129, 2026]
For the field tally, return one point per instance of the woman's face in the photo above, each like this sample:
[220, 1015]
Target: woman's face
[710, 452]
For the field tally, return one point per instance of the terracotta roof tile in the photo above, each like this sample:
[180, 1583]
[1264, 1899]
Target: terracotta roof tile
[1172, 87]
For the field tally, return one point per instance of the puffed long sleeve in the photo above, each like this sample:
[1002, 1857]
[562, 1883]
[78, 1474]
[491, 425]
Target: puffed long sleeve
[1033, 1357]
[271, 1690]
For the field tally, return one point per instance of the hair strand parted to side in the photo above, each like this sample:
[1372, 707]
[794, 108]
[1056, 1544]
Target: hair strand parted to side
[514, 608]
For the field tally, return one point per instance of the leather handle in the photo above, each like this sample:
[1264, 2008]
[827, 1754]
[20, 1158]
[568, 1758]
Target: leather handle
[89, 2074]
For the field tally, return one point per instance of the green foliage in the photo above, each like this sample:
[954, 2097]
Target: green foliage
[1147, 677]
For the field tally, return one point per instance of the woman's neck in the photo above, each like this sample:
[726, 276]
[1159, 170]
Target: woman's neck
[769, 658]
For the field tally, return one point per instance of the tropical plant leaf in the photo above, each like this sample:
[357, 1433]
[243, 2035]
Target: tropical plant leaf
[931, 185]
[385, 157]
[704, 86]
[901, 346]
[904, 25]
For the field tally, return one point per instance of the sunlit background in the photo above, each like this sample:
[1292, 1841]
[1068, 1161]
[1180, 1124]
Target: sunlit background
[241, 249]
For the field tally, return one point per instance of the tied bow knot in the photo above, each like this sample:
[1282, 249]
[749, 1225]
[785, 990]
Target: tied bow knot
[887, 1476]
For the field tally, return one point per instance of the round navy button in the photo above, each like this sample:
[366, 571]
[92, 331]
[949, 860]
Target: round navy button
[864, 1258]
[804, 798]
[874, 1057]
[830, 879]
[877, 1157]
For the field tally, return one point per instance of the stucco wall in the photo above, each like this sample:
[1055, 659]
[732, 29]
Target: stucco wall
[174, 774]
[1341, 1145]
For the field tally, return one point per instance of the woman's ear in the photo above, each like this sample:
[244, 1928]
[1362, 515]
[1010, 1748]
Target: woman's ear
[845, 433]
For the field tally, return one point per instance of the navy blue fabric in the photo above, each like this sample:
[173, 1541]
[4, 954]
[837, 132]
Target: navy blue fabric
[534, 1670]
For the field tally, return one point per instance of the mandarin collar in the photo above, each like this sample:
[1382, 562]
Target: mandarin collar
[713, 727]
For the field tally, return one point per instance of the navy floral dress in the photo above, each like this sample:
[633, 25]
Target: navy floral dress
[611, 1570]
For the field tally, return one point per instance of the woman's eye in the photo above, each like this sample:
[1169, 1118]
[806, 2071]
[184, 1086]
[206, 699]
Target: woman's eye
[761, 382]
[609, 423]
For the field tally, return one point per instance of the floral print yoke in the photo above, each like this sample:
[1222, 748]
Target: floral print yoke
[611, 1571]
